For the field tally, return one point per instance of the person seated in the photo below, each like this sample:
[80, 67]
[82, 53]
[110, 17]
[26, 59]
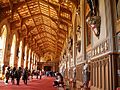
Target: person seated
[59, 80]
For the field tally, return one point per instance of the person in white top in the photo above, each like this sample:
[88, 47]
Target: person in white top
[40, 74]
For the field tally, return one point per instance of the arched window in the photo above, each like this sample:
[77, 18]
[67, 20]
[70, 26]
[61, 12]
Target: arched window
[2, 47]
[20, 54]
[12, 57]
[25, 56]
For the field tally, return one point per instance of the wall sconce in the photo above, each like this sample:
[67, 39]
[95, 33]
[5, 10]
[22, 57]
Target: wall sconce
[94, 22]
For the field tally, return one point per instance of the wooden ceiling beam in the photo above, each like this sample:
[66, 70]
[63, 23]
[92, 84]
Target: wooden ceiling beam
[20, 19]
[55, 6]
[51, 51]
[65, 21]
[44, 32]
[31, 28]
[6, 7]
[48, 38]
[21, 3]
[11, 8]
[47, 42]
[31, 14]
[44, 46]
[60, 45]
[47, 46]
[37, 49]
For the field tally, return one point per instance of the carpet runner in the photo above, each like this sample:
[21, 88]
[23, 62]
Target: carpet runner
[46, 83]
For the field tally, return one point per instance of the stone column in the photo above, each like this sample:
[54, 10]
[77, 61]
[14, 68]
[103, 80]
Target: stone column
[103, 76]
[110, 30]
[74, 40]
[99, 71]
[93, 75]
[82, 14]
[107, 75]
[74, 47]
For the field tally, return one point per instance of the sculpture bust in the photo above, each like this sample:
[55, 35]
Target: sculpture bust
[92, 19]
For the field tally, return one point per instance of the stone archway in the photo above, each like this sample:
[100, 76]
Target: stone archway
[47, 68]
[2, 48]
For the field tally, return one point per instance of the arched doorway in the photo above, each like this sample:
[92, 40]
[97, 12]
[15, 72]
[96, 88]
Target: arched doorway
[47, 68]
[3, 36]
[12, 57]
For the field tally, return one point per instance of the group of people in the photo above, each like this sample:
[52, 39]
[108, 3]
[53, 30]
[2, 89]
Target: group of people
[38, 73]
[86, 77]
[14, 73]
[18, 73]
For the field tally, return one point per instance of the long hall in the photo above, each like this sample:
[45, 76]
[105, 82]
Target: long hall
[77, 40]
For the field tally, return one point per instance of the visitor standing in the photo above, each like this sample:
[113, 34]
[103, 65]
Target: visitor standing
[25, 75]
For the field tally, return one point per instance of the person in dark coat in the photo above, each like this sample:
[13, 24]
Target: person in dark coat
[18, 75]
[37, 74]
[12, 74]
[25, 75]
[7, 75]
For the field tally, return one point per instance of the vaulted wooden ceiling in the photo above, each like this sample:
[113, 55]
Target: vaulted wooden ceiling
[42, 23]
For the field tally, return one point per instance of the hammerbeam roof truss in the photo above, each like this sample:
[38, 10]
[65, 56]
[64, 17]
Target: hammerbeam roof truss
[42, 23]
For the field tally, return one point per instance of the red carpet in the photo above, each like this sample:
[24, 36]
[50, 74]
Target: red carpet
[36, 84]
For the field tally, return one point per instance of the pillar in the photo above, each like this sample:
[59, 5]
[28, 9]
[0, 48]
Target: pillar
[103, 76]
